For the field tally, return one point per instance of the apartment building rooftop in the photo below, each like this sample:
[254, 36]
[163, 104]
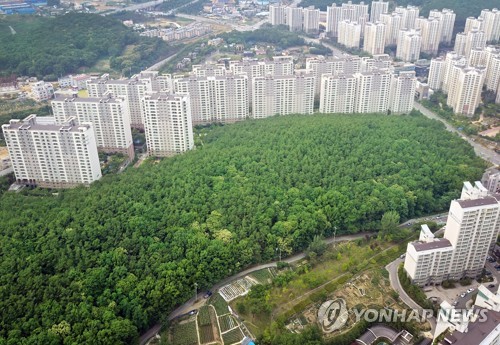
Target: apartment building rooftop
[108, 99]
[477, 331]
[31, 123]
[438, 244]
[477, 202]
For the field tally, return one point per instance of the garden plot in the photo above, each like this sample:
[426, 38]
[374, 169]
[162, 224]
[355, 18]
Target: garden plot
[234, 336]
[227, 322]
[185, 334]
[207, 325]
[237, 288]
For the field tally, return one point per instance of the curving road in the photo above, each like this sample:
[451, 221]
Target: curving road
[392, 268]
[483, 152]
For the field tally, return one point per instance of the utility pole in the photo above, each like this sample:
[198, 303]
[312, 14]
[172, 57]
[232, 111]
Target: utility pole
[195, 291]
[334, 235]
[279, 252]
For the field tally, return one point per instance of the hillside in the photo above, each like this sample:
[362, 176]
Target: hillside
[51, 47]
[98, 265]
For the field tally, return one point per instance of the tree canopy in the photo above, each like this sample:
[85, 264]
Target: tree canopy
[99, 265]
[52, 47]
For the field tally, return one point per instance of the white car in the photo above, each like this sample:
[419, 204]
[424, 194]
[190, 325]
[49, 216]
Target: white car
[463, 294]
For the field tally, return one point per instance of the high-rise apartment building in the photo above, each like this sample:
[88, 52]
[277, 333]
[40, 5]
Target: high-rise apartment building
[430, 30]
[471, 228]
[167, 123]
[377, 8]
[131, 89]
[109, 117]
[294, 18]
[474, 23]
[159, 82]
[311, 20]
[446, 18]
[450, 77]
[465, 95]
[491, 24]
[349, 34]
[52, 155]
[283, 95]
[492, 64]
[208, 70]
[42, 91]
[428, 260]
[436, 73]
[402, 93]
[347, 64]
[393, 24]
[460, 42]
[337, 93]
[409, 43]
[277, 14]
[376, 62]
[333, 18]
[475, 40]
[410, 15]
[217, 98]
[352, 12]
[372, 91]
[374, 41]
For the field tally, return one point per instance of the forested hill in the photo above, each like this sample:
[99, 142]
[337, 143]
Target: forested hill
[97, 265]
[463, 8]
[51, 47]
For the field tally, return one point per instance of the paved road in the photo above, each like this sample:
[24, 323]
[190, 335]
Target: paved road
[480, 150]
[137, 7]
[392, 268]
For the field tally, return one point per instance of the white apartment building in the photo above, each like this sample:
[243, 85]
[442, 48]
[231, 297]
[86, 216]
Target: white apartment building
[337, 93]
[409, 43]
[283, 95]
[487, 299]
[294, 18]
[167, 123]
[475, 39]
[209, 70]
[491, 181]
[491, 24]
[402, 94]
[217, 98]
[131, 89]
[349, 34]
[460, 42]
[446, 18]
[377, 62]
[347, 64]
[477, 58]
[311, 20]
[465, 96]
[436, 73]
[430, 30]
[474, 23]
[471, 228]
[277, 14]
[42, 91]
[393, 24]
[377, 8]
[372, 91]
[428, 260]
[52, 155]
[479, 331]
[374, 42]
[353, 12]
[492, 64]
[109, 117]
[333, 18]
[450, 77]
[410, 15]
[159, 82]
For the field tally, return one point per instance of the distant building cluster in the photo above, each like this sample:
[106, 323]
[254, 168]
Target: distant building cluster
[471, 230]
[352, 24]
[167, 106]
[473, 64]
[177, 34]
[20, 6]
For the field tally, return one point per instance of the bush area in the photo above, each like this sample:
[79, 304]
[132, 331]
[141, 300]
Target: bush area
[277, 35]
[50, 47]
[100, 264]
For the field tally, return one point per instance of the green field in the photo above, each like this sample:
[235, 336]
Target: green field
[232, 337]
[185, 334]
[219, 304]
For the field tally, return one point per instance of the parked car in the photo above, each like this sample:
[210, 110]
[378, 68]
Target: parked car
[491, 286]
[463, 294]
[455, 303]
[208, 294]
[470, 290]
[488, 273]
[192, 312]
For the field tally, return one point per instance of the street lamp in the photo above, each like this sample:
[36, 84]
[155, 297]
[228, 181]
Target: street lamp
[280, 252]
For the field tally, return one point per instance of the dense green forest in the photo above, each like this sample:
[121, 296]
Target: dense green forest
[463, 8]
[279, 36]
[51, 47]
[98, 265]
